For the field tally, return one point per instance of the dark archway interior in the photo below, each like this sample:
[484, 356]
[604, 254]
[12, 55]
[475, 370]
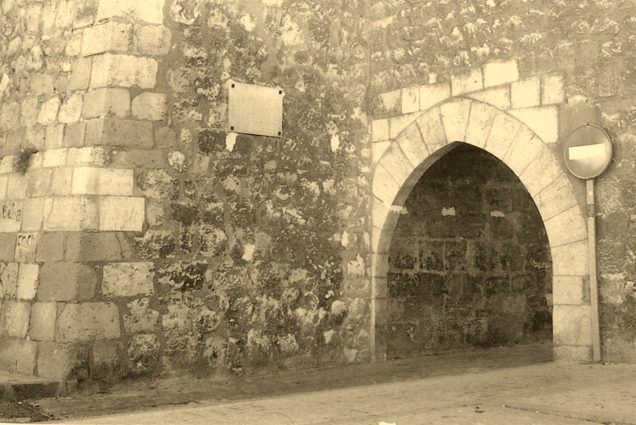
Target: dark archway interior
[469, 261]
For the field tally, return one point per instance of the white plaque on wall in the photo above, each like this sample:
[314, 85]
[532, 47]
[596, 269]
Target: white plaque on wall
[255, 109]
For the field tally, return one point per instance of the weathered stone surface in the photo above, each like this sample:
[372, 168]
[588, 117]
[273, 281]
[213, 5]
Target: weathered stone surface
[143, 354]
[17, 355]
[86, 321]
[152, 40]
[70, 213]
[552, 91]
[570, 290]
[42, 327]
[108, 37]
[27, 281]
[455, 118]
[106, 101]
[66, 282]
[149, 106]
[572, 325]
[150, 11]
[7, 246]
[128, 279]
[48, 111]
[71, 109]
[500, 72]
[14, 319]
[8, 280]
[119, 132]
[102, 181]
[380, 129]
[410, 100]
[62, 361]
[121, 213]
[141, 317]
[433, 94]
[526, 93]
[544, 121]
[111, 70]
[467, 82]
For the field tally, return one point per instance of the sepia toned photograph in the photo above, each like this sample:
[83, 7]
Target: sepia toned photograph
[325, 212]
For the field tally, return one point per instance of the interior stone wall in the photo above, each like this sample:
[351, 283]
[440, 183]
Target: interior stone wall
[469, 262]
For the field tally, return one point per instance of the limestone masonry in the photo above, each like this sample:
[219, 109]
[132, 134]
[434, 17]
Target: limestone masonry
[135, 242]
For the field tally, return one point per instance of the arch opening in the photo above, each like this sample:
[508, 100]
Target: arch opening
[469, 261]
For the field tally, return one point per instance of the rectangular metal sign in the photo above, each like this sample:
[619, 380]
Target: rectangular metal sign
[255, 109]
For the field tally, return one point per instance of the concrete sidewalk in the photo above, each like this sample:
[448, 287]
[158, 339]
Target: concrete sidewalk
[541, 394]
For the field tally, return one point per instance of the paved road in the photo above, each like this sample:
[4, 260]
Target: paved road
[552, 393]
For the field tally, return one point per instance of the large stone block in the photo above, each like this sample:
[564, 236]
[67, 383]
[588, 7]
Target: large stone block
[50, 247]
[70, 213]
[7, 246]
[544, 121]
[413, 146]
[128, 279]
[502, 135]
[149, 11]
[121, 214]
[566, 227]
[74, 134]
[455, 118]
[106, 101]
[380, 130]
[119, 132]
[110, 70]
[87, 321]
[525, 148]
[66, 282]
[43, 317]
[71, 109]
[572, 325]
[38, 182]
[107, 37]
[433, 94]
[80, 74]
[410, 100]
[99, 246]
[480, 122]
[11, 216]
[8, 280]
[61, 181]
[570, 260]
[9, 116]
[17, 355]
[48, 111]
[25, 246]
[396, 163]
[149, 106]
[14, 319]
[467, 82]
[541, 171]
[92, 155]
[570, 290]
[525, 93]
[552, 92]
[500, 72]
[27, 281]
[571, 354]
[152, 40]
[62, 361]
[102, 181]
[385, 188]
[432, 129]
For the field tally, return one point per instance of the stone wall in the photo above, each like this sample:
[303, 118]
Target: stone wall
[469, 262]
[134, 240]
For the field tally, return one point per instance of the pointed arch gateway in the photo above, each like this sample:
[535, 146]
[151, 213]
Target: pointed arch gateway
[437, 131]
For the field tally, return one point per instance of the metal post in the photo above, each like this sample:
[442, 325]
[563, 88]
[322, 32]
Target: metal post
[591, 238]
